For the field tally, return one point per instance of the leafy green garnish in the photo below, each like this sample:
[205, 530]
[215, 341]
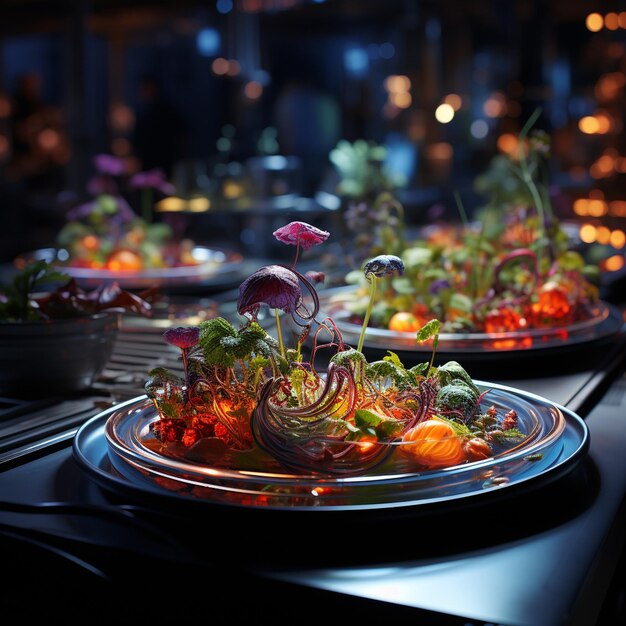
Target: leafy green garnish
[374, 424]
[27, 299]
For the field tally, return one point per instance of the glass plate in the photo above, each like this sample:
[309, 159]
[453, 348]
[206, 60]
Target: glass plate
[213, 264]
[605, 321]
[111, 448]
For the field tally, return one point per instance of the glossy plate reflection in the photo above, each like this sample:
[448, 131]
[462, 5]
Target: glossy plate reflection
[210, 264]
[605, 321]
[114, 449]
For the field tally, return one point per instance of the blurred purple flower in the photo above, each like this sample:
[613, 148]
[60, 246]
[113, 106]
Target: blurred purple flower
[82, 210]
[152, 179]
[384, 265]
[301, 233]
[124, 210]
[109, 164]
[315, 277]
[274, 285]
[123, 214]
[437, 285]
[182, 337]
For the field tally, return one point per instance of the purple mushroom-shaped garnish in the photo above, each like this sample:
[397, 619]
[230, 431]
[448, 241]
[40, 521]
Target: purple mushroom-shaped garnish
[278, 287]
[382, 265]
[301, 235]
[274, 285]
[184, 338]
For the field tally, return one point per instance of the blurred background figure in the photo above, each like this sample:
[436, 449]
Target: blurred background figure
[308, 122]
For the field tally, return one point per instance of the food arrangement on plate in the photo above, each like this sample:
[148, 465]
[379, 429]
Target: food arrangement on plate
[106, 233]
[106, 239]
[513, 270]
[250, 401]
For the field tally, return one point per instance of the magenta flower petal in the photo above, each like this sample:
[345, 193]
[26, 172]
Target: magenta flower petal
[109, 164]
[182, 337]
[274, 285]
[308, 235]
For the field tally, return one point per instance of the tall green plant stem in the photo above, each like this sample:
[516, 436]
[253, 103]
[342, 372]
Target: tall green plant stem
[528, 179]
[280, 334]
[372, 279]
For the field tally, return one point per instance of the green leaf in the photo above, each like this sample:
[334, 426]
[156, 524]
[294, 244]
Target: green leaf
[366, 419]
[350, 358]
[571, 260]
[429, 330]
[212, 335]
[461, 302]
[394, 358]
[371, 423]
[416, 257]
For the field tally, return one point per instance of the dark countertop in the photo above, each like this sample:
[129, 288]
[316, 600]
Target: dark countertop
[547, 556]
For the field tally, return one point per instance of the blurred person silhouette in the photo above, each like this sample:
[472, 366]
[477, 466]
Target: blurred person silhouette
[308, 121]
[159, 136]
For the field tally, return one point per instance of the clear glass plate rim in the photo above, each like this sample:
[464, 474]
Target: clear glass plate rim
[149, 457]
[603, 313]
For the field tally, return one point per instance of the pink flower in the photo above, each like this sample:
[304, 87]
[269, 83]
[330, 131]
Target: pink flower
[182, 337]
[302, 234]
[274, 285]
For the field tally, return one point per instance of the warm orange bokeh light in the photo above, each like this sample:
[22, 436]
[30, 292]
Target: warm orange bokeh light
[253, 90]
[603, 235]
[617, 239]
[613, 263]
[587, 233]
[588, 125]
[171, 204]
[508, 144]
[594, 22]
[617, 208]
[454, 100]
[611, 21]
[580, 207]
[597, 208]
[219, 66]
[397, 83]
